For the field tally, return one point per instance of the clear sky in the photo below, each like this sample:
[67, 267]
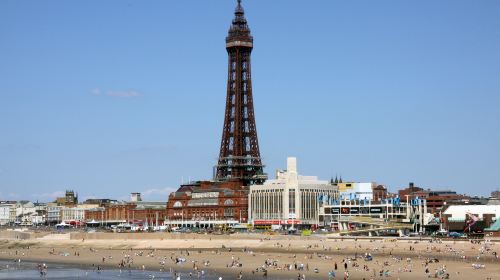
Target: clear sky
[112, 97]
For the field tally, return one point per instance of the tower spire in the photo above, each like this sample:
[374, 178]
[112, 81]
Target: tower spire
[239, 28]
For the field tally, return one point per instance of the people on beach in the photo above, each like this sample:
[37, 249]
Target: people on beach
[42, 268]
[376, 259]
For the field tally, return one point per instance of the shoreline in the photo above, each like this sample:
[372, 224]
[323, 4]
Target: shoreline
[106, 267]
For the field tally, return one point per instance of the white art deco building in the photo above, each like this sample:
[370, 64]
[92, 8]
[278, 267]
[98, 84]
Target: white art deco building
[290, 200]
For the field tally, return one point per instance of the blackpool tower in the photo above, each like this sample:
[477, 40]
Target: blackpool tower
[239, 156]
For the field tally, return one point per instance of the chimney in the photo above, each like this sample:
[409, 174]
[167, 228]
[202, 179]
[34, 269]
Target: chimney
[135, 197]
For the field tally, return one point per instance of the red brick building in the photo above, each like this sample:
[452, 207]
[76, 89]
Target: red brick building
[128, 212]
[435, 199]
[208, 203]
[411, 191]
[379, 193]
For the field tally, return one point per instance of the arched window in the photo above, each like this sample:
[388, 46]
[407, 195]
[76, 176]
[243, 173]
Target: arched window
[177, 204]
[229, 202]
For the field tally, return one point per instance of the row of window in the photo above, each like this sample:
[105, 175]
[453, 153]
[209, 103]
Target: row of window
[227, 202]
[228, 212]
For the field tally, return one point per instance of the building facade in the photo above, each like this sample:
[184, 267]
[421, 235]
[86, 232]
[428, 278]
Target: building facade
[136, 212]
[53, 213]
[69, 199]
[459, 217]
[5, 210]
[364, 216]
[23, 212]
[380, 193]
[436, 199]
[76, 213]
[208, 204]
[495, 194]
[354, 190]
[290, 200]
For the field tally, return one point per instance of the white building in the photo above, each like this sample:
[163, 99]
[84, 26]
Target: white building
[40, 216]
[72, 214]
[23, 211]
[459, 212]
[289, 200]
[53, 213]
[75, 213]
[5, 210]
[360, 216]
[13, 216]
[37, 219]
[351, 190]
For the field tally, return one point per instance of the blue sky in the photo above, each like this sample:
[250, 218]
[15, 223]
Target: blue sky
[113, 97]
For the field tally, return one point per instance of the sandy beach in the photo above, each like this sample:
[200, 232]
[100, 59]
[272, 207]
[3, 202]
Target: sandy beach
[275, 257]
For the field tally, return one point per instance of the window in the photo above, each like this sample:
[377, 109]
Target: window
[229, 212]
[291, 201]
[229, 202]
[177, 204]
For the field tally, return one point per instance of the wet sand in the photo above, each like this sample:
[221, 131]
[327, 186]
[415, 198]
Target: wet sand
[286, 258]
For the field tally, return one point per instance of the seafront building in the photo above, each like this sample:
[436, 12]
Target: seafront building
[354, 190]
[6, 207]
[23, 212]
[53, 213]
[495, 194]
[290, 200]
[40, 215]
[356, 216]
[139, 213]
[75, 213]
[380, 192]
[208, 204]
[69, 199]
[470, 218]
[436, 199]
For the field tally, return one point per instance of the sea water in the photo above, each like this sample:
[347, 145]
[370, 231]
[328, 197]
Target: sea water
[27, 270]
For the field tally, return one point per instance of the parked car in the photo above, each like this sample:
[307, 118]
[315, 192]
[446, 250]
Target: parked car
[455, 234]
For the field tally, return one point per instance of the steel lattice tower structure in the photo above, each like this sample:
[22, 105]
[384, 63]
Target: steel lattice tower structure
[239, 156]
